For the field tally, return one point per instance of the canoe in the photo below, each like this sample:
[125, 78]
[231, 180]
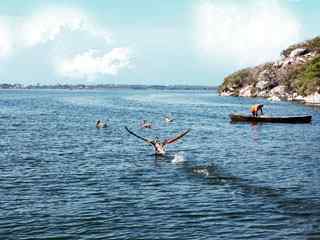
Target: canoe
[270, 119]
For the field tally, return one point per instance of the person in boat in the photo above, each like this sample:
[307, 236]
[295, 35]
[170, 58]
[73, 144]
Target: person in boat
[100, 124]
[146, 124]
[255, 109]
[158, 145]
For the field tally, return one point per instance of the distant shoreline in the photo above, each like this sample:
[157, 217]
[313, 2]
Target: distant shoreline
[7, 86]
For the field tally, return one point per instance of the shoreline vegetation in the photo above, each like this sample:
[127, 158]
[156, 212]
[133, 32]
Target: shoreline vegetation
[294, 77]
[105, 86]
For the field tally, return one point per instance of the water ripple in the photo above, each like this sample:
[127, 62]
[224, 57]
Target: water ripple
[61, 178]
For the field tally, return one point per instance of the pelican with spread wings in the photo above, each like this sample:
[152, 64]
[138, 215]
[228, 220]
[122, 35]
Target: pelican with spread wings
[160, 147]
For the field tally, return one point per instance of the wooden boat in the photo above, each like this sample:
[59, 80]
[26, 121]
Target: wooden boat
[270, 119]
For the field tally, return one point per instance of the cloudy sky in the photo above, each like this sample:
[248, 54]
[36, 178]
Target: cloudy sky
[194, 42]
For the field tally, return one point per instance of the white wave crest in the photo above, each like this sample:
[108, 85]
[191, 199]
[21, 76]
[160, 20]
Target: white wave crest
[178, 158]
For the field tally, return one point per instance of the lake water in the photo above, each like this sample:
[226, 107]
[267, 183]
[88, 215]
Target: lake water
[61, 178]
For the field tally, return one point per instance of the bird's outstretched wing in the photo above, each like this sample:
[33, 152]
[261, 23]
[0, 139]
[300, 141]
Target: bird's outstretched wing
[134, 134]
[176, 138]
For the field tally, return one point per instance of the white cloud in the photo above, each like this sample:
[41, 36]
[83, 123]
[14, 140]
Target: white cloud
[93, 63]
[48, 24]
[245, 33]
[5, 40]
[69, 31]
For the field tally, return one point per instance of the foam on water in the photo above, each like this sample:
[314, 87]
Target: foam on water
[201, 170]
[178, 158]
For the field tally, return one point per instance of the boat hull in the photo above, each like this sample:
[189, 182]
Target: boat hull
[270, 119]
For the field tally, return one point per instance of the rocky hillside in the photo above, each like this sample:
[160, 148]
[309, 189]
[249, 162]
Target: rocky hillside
[295, 77]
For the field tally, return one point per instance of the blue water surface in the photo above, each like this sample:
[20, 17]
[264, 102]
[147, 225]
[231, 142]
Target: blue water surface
[61, 178]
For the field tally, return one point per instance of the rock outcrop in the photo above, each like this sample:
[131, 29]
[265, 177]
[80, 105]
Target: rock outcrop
[295, 77]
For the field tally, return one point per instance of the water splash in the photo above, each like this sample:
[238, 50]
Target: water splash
[201, 170]
[179, 158]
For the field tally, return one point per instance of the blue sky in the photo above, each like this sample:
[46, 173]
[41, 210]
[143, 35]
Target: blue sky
[194, 42]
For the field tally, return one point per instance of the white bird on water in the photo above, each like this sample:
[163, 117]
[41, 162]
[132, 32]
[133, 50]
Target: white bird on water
[100, 124]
